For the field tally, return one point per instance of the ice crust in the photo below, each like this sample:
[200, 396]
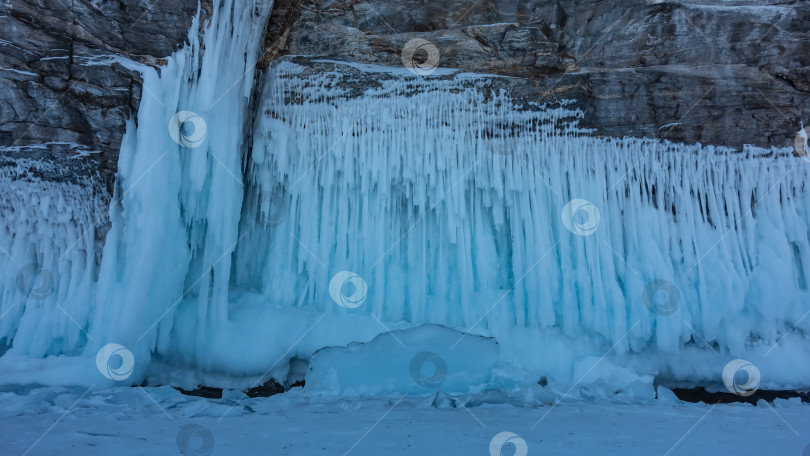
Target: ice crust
[418, 360]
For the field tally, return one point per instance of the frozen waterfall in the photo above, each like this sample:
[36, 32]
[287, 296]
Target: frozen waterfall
[241, 196]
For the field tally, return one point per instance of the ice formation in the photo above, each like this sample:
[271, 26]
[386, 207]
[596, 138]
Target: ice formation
[456, 208]
[417, 360]
[49, 221]
[453, 205]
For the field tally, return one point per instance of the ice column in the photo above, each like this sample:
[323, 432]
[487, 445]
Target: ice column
[180, 187]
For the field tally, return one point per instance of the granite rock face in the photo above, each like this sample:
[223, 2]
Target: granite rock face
[726, 72]
[62, 91]
[710, 71]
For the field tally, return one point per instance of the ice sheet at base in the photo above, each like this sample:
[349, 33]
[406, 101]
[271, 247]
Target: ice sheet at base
[148, 421]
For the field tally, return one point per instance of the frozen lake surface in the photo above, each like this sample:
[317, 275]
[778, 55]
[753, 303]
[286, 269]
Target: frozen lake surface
[152, 421]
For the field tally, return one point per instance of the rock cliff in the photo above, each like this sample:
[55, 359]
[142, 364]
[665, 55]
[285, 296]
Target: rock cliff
[64, 91]
[710, 71]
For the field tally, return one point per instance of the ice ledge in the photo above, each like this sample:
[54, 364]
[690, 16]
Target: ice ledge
[417, 360]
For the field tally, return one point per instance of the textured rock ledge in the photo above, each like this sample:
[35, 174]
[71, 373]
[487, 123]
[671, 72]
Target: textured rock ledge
[717, 72]
[57, 79]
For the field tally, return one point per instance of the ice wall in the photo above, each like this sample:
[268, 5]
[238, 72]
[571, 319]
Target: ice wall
[240, 199]
[180, 187]
[173, 215]
[50, 220]
[457, 208]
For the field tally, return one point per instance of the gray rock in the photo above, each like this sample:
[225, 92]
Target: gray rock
[64, 117]
[50, 91]
[716, 72]
[710, 71]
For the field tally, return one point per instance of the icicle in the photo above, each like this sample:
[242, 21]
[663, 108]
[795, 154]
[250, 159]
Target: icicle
[50, 219]
[174, 214]
[175, 231]
[441, 200]
[421, 187]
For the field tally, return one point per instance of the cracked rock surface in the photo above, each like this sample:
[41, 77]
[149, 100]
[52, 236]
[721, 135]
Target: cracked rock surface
[724, 72]
[720, 72]
[61, 90]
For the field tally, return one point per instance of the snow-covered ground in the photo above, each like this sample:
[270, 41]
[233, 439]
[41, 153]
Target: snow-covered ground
[152, 421]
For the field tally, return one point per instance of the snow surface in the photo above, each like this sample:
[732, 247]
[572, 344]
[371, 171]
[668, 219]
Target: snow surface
[451, 204]
[150, 421]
